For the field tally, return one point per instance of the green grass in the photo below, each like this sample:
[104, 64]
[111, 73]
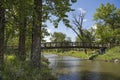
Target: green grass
[21, 70]
[79, 54]
[111, 54]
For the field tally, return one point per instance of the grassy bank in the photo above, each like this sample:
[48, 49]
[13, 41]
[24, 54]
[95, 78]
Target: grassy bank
[110, 55]
[21, 70]
[79, 54]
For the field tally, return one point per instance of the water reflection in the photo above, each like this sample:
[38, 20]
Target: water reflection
[86, 75]
[70, 68]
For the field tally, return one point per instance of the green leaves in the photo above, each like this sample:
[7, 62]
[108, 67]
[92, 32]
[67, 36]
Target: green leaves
[104, 11]
[108, 22]
[58, 9]
[66, 22]
[58, 37]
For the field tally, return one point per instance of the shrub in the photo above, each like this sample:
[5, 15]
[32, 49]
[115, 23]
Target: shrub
[21, 70]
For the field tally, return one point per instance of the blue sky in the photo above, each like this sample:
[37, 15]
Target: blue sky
[88, 6]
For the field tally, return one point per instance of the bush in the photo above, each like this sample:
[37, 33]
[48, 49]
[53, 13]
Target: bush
[21, 70]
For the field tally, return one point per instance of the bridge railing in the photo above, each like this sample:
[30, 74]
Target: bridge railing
[53, 45]
[73, 45]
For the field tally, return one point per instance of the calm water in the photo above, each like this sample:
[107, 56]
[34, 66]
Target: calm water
[70, 68]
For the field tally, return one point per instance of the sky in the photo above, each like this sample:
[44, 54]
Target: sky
[89, 8]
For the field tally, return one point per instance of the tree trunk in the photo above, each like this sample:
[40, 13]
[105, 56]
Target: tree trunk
[21, 48]
[2, 25]
[36, 34]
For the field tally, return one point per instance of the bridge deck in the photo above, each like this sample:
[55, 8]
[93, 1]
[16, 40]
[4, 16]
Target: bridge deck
[53, 45]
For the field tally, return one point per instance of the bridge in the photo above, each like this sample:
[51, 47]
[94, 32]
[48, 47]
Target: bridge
[54, 45]
[62, 45]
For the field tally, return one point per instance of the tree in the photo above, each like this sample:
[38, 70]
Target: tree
[83, 35]
[19, 21]
[108, 20]
[58, 37]
[2, 27]
[78, 27]
[89, 36]
[36, 34]
[42, 12]
[22, 15]
[17, 18]
[56, 10]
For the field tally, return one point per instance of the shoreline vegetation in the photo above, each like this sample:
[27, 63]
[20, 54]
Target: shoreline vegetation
[14, 69]
[74, 53]
[111, 54]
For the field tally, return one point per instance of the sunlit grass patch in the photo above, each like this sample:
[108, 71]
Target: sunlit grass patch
[10, 57]
[111, 54]
[79, 54]
[74, 53]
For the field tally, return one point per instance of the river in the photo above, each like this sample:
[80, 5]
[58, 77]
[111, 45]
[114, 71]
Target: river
[71, 68]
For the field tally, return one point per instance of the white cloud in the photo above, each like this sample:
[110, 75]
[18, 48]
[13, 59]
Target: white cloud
[84, 20]
[82, 10]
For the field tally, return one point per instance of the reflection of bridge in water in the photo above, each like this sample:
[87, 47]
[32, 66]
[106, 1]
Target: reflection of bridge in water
[54, 45]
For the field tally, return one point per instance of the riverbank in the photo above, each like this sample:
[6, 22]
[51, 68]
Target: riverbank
[112, 54]
[79, 54]
[15, 69]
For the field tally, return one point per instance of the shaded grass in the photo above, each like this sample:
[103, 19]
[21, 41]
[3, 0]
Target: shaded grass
[21, 70]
